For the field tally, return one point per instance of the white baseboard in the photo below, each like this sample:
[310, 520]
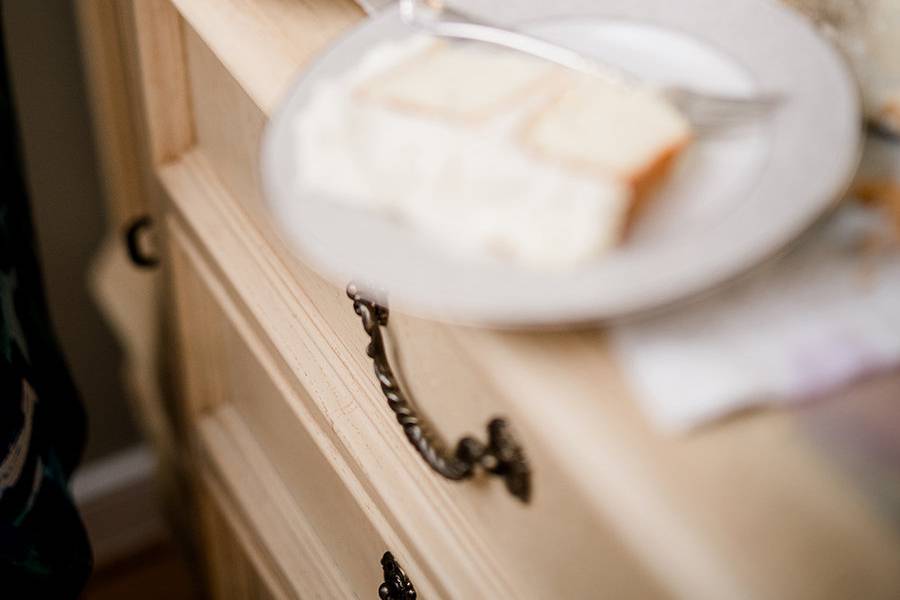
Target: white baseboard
[119, 503]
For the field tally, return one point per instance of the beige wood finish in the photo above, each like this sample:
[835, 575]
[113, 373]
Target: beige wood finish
[235, 370]
[285, 417]
[417, 504]
[238, 567]
[164, 79]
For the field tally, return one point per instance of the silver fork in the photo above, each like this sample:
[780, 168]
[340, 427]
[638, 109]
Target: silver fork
[707, 113]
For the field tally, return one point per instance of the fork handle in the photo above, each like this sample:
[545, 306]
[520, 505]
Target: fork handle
[445, 21]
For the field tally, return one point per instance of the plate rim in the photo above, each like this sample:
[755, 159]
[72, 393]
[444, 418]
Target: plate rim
[545, 319]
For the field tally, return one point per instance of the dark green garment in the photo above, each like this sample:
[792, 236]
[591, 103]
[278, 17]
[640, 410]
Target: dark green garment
[44, 551]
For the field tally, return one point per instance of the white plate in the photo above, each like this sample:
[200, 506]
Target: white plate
[734, 201]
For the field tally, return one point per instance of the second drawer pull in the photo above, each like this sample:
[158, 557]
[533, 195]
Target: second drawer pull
[397, 585]
[501, 455]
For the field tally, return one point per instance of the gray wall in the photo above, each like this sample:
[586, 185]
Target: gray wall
[42, 45]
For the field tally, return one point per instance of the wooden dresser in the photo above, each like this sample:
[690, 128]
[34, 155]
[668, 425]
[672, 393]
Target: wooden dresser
[291, 467]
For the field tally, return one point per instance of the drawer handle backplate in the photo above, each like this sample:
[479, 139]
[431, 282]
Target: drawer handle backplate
[397, 585]
[501, 456]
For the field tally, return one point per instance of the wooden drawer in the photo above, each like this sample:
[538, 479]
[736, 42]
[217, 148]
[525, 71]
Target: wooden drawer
[617, 510]
[458, 531]
[523, 549]
[267, 452]
[527, 550]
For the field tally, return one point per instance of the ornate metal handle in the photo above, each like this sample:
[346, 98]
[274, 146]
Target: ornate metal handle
[397, 585]
[501, 456]
[133, 245]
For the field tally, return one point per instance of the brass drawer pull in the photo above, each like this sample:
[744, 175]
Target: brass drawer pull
[397, 585]
[501, 456]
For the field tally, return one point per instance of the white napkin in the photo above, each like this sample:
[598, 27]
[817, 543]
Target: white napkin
[826, 314]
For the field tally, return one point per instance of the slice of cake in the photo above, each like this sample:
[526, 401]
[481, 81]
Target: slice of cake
[606, 129]
[487, 151]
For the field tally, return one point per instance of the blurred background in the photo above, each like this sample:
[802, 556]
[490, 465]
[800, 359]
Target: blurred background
[68, 206]
[114, 487]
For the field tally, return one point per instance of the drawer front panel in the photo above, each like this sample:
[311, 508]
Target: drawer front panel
[467, 532]
[232, 374]
[558, 542]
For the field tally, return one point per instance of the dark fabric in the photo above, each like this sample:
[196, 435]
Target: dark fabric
[44, 551]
